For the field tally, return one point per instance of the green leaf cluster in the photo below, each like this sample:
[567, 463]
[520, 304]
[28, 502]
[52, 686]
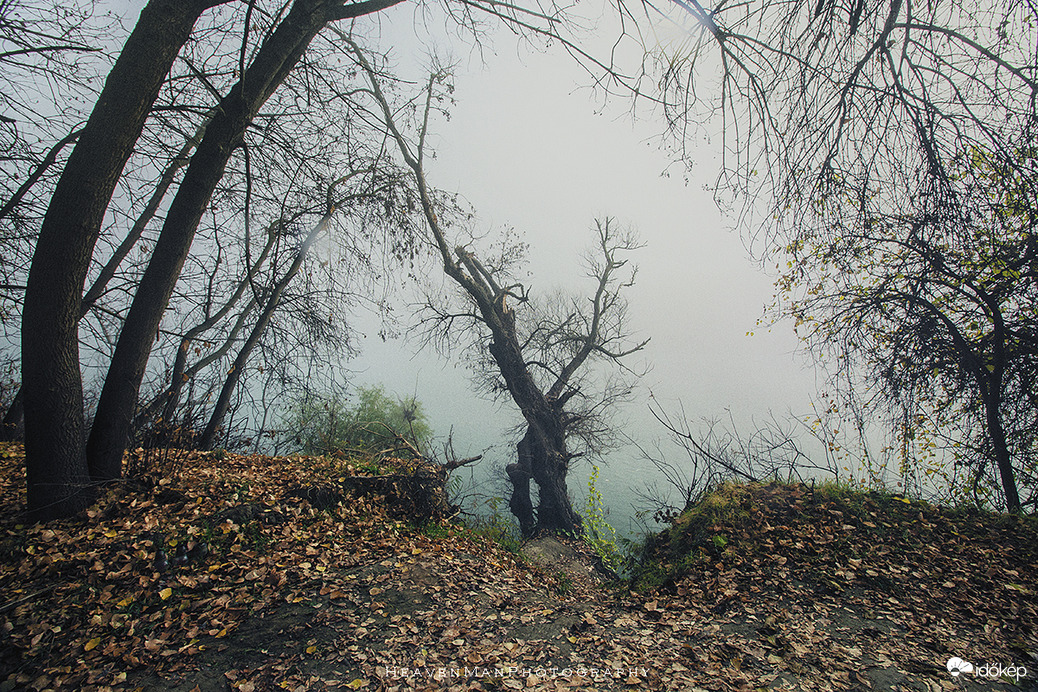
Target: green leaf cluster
[599, 533]
[330, 425]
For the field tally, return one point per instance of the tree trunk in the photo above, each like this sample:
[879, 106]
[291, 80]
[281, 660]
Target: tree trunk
[991, 378]
[56, 470]
[547, 464]
[555, 514]
[542, 453]
[519, 475]
[277, 56]
[1003, 459]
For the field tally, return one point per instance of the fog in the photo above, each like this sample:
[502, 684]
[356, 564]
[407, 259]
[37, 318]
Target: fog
[529, 145]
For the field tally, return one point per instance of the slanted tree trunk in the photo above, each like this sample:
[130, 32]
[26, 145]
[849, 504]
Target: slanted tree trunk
[541, 454]
[1003, 459]
[56, 471]
[275, 59]
[989, 374]
[990, 384]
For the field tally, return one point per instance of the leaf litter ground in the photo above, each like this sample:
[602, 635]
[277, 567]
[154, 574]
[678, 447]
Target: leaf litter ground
[787, 589]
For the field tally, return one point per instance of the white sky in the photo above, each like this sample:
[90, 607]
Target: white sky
[525, 147]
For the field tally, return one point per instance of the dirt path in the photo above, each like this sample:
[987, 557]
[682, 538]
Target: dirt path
[424, 618]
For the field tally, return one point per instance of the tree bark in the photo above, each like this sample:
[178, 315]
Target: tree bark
[1003, 459]
[555, 513]
[991, 380]
[542, 453]
[547, 463]
[56, 471]
[275, 59]
[519, 475]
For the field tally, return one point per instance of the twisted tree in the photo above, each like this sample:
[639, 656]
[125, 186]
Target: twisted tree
[539, 360]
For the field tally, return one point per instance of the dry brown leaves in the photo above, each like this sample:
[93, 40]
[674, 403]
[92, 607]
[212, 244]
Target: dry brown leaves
[819, 592]
[295, 598]
[84, 602]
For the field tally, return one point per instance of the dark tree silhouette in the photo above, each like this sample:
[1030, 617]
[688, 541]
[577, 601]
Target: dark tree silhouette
[538, 361]
[56, 468]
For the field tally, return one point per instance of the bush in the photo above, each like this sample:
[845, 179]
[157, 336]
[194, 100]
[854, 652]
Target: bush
[326, 425]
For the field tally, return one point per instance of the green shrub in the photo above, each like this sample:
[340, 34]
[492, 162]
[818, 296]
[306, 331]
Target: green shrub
[496, 526]
[326, 425]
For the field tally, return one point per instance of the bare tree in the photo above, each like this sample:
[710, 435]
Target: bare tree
[50, 360]
[538, 364]
[270, 66]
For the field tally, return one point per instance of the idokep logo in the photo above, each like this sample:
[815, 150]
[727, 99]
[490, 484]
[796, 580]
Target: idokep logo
[957, 667]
